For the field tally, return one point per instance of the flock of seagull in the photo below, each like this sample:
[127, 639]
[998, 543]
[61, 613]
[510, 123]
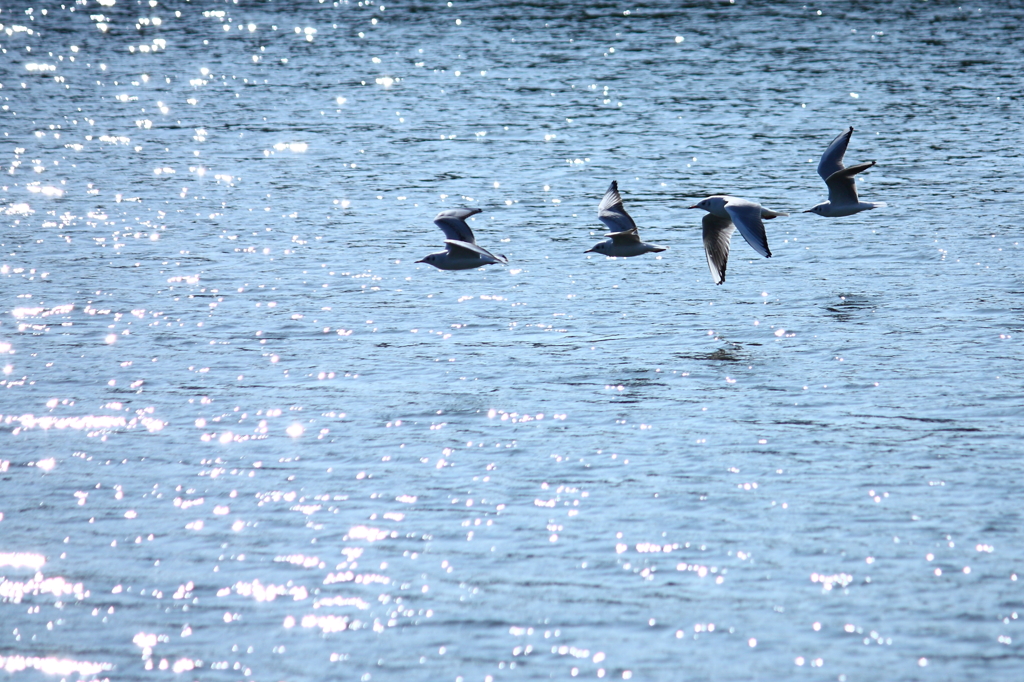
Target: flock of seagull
[725, 215]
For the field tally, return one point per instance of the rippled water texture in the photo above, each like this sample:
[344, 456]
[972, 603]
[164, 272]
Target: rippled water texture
[244, 435]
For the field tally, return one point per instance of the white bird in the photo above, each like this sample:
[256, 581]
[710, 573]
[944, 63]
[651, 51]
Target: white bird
[461, 251]
[624, 239]
[842, 188]
[725, 214]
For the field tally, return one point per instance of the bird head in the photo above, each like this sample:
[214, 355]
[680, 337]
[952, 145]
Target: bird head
[710, 203]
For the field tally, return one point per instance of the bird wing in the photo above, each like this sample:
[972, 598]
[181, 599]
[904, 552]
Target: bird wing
[746, 215]
[842, 188]
[453, 224]
[461, 249]
[611, 212]
[627, 237]
[717, 235]
[460, 213]
[832, 159]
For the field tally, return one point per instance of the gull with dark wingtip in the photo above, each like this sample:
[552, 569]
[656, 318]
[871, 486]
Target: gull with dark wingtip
[461, 251]
[842, 188]
[725, 215]
[624, 239]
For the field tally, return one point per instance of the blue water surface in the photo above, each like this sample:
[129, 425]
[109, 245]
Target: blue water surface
[245, 436]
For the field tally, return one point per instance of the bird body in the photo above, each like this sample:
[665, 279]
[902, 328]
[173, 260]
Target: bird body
[461, 250]
[725, 215]
[842, 187]
[624, 239]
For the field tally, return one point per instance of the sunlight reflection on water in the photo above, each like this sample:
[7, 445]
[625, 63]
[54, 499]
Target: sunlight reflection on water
[244, 434]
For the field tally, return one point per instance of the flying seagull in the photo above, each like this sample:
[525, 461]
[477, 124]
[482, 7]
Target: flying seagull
[624, 240]
[842, 188]
[460, 249]
[725, 214]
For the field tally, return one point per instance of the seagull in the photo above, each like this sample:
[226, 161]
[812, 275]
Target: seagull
[461, 251]
[625, 240]
[725, 214]
[842, 189]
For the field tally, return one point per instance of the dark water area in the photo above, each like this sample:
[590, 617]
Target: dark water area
[244, 435]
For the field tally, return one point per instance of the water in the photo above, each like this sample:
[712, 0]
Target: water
[245, 436]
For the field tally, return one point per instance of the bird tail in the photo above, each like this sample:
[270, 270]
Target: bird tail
[659, 249]
[879, 204]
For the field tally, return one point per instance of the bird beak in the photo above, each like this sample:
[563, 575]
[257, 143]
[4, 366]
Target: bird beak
[810, 210]
[589, 251]
[422, 260]
[694, 206]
